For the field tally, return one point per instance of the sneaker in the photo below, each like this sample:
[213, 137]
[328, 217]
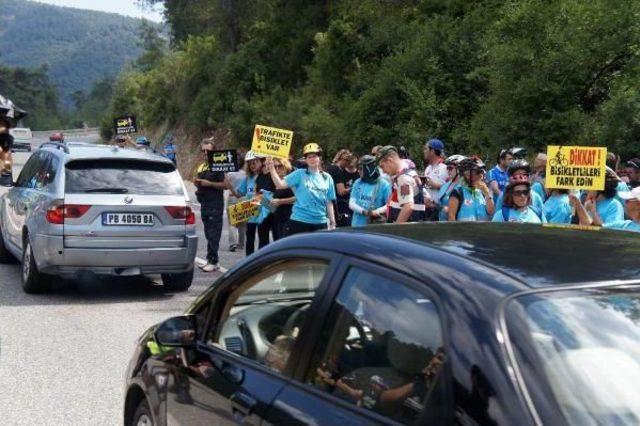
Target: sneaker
[211, 267]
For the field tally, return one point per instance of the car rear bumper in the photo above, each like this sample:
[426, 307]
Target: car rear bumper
[53, 258]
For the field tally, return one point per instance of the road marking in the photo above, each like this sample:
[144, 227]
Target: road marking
[200, 262]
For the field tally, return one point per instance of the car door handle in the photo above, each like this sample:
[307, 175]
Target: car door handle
[242, 404]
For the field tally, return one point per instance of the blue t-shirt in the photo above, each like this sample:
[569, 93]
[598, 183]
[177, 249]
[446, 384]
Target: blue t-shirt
[538, 188]
[557, 209]
[623, 225]
[362, 194]
[247, 188]
[536, 202]
[443, 200]
[313, 191]
[500, 176]
[528, 216]
[610, 210]
[473, 207]
[622, 187]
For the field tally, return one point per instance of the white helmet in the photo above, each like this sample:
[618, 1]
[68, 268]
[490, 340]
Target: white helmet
[253, 156]
[454, 159]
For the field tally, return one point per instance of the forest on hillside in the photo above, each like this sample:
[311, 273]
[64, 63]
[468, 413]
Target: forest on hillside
[356, 73]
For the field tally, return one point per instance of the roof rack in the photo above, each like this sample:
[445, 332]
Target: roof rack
[58, 145]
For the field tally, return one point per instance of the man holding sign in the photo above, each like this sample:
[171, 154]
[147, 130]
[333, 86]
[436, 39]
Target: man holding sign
[210, 186]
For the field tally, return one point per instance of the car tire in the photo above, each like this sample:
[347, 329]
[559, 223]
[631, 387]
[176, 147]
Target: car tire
[33, 281]
[178, 282]
[5, 255]
[142, 415]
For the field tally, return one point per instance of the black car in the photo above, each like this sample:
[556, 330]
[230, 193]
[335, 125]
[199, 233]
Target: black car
[419, 324]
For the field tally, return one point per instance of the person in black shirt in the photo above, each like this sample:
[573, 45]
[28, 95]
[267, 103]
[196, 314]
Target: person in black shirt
[264, 183]
[337, 171]
[282, 202]
[210, 194]
[349, 176]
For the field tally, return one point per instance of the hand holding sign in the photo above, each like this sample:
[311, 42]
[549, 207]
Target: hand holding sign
[271, 141]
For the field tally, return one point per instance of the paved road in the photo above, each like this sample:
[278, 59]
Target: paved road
[63, 355]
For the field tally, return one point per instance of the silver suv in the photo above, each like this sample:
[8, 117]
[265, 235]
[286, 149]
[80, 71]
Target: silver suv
[101, 209]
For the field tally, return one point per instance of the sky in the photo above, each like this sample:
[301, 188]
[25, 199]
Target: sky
[123, 7]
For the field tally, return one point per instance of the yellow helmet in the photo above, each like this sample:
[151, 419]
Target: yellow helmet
[311, 148]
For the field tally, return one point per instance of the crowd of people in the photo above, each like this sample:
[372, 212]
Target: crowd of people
[385, 186]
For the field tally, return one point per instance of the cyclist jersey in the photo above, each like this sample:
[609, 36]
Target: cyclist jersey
[557, 209]
[500, 176]
[509, 214]
[443, 199]
[536, 202]
[368, 196]
[623, 225]
[405, 190]
[472, 205]
[610, 210]
[313, 191]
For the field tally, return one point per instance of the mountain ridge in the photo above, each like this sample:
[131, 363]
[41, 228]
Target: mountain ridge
[76, 46]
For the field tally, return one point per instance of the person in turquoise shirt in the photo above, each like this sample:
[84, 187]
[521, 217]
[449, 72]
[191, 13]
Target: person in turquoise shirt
[472, 200]
[520, 170]
[369, 194]
[632, 209]
[314, 190]
[517, 205]
[449, 186]
[602, 206]
[622, 187]
[247, 189]
[557, 208]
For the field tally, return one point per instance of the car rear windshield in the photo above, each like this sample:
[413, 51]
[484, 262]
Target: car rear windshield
[586, 347]
[122, 176]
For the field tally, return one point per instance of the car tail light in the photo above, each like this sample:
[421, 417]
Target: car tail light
[180, 212]
[57, 214]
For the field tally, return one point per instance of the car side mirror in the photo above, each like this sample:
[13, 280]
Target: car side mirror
[177, 332]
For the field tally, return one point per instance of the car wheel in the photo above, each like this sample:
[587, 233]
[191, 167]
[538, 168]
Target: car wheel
[142, 415]
[178, 282]
[5, 255]
[32, 280]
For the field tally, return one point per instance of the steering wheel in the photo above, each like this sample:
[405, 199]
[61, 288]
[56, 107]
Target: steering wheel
[295, 320]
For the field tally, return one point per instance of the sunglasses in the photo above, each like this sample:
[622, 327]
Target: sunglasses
[524, 192]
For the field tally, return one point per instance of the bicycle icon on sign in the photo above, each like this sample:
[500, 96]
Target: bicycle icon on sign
[559, 160]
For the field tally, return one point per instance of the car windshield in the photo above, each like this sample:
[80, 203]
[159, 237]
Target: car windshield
[122, 177]
[587, 348]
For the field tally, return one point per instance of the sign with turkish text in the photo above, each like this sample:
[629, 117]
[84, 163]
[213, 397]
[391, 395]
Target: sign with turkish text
[242, 211]
[223, 160]
[125, 125]
[576, 167]
[272, 142]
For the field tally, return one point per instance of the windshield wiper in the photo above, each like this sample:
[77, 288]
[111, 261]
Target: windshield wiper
[108, 190]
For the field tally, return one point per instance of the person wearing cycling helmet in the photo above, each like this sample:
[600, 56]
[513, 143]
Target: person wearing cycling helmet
[407, 202]
[143, 144]
[517, 204]
[435, 174]
[314, 190]
[518, 170]
[472, 200]
[453, 180]
[369, 194]
[56, 137]
[498, 177]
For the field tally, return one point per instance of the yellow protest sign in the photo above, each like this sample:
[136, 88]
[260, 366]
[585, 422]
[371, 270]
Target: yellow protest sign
[271, 141]
[242, 211]
[576, 167]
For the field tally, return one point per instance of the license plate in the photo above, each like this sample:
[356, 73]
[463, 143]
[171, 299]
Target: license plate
[127, 219]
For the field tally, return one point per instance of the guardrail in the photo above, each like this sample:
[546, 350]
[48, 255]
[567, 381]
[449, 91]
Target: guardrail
[70, 132]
